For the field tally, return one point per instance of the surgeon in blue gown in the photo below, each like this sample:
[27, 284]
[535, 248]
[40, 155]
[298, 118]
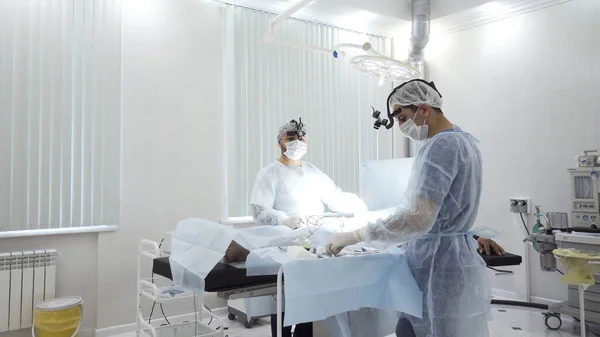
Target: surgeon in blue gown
[435, 224]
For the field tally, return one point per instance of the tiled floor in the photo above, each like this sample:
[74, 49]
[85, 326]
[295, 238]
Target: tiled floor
[261, 329]
[524, 322]
[507, 322]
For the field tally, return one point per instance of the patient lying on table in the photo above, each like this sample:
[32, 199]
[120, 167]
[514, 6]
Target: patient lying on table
[237, 253]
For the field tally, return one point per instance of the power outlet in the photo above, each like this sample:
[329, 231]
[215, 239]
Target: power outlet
[520, 205]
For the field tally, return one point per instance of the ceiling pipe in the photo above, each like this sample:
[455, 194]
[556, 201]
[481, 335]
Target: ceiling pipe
[270, 36]
[286, 14]
[421, 22]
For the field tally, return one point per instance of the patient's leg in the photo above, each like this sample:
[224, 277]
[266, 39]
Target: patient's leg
[236, 253]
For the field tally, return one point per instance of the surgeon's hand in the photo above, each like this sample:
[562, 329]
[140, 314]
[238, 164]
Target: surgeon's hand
[488, 246]
[341, 241]
[294, 222]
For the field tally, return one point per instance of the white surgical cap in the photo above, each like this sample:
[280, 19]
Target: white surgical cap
[416, 93]
[286, 128]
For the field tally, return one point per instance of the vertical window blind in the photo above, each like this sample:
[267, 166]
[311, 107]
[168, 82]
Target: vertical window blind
[268, 85]
[59, 113]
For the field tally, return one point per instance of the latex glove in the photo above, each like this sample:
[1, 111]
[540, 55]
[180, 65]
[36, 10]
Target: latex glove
[294, 222]
[488, 246]
[341, 241]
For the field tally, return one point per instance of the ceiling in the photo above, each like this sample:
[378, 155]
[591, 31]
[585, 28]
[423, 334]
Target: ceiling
[392, 17]
[382, 17]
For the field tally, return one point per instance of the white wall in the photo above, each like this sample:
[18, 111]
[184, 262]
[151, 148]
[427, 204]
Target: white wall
[171, 163]
[527, 88]
[172, 61]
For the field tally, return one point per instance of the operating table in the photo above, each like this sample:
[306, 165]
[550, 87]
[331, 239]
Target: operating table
[231, 282]
[228, 280]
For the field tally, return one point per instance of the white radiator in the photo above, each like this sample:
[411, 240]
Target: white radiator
[26, 278]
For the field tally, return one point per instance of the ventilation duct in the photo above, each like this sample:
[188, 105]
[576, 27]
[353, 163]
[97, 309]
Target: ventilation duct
[421, 22]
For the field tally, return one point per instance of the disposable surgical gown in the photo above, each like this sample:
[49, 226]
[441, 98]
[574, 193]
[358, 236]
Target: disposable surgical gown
[283, 191]
[442, 202]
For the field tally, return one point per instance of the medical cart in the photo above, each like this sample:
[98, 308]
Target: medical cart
[160, 290]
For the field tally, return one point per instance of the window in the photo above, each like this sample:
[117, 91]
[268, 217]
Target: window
[59, 114]
[268, 85]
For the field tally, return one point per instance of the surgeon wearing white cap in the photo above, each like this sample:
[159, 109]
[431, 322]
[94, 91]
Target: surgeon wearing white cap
[289, 189]
[434, 227]
[285, 193]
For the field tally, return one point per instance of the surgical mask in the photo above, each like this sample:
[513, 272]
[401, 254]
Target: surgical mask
[414, 131]
[296, 149]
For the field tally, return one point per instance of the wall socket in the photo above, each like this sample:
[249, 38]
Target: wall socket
[520, 205]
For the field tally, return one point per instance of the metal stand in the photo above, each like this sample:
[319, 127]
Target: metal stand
[582, 310]
[279, 300]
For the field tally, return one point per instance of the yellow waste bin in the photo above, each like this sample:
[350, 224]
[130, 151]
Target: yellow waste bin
[59, 317]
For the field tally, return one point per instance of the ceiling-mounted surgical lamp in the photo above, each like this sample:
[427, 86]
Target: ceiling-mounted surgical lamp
[372, 62]
[376, 64]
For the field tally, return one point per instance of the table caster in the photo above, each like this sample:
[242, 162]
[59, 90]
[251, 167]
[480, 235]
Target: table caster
[248, 325]
[231, 317]
[553, 321]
